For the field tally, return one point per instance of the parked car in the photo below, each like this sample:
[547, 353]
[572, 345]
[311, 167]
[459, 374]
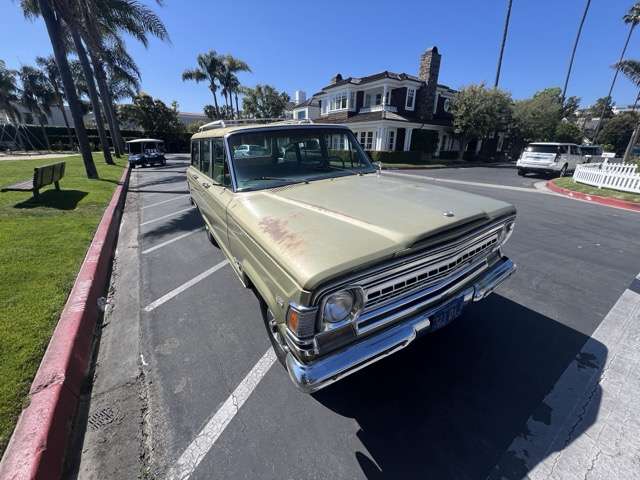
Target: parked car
[549, 158]
[592, 153]
[145, 151]
[349, 264]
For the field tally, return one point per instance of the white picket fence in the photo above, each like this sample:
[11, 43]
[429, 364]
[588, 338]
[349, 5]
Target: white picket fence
[618, 176]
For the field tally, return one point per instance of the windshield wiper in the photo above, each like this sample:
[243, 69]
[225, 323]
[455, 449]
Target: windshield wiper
[268, 178]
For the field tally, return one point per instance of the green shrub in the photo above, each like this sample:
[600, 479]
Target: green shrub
[416, 158]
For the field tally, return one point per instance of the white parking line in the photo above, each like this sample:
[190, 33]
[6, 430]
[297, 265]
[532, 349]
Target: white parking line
[166, 216]
[164, 201]
[177, 291]
[164, 244]
[200, 446]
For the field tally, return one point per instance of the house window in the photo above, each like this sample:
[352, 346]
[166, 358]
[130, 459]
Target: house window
[446, 106]
[339, 102]
[367, 100]
[378, 99]
[411, 99]
[301, 114]
[391, 144]
[366, 140]
[352, 101]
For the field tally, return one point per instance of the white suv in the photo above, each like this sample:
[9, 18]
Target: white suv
[550, 158]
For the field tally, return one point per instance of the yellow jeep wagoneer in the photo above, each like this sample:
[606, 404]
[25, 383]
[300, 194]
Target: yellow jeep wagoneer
[351, 264]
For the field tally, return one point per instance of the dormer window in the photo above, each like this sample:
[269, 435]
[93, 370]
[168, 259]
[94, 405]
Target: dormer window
[411, 99]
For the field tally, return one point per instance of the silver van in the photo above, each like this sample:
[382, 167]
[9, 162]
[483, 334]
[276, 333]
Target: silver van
[549, 158]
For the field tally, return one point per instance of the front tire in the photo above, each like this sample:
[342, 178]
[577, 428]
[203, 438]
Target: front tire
[563, 171]
[521, 172]
[275, 337]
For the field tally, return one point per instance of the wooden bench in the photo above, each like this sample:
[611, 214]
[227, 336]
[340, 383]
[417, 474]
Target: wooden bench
[42, 176]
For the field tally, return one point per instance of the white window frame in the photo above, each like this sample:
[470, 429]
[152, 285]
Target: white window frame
[392, 137]
[412, 105]
[367, 139]
[339, 101]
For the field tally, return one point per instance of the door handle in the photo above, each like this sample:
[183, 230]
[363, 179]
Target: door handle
[195, 177]
[206, 185]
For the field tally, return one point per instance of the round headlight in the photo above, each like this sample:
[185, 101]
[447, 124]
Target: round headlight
[338, 307]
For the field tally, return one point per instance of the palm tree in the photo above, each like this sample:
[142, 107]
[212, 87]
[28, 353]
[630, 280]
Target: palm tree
[631, 18]
[232, 66]
[9, 98]
[103, 21]
[575, 47]
[37, 96]
[502, 44]
[209, 69]
[630, 68]
[51, 16]
[50, 69]
[93, 93]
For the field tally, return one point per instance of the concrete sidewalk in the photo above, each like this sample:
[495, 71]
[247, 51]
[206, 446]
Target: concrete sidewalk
[588, 426]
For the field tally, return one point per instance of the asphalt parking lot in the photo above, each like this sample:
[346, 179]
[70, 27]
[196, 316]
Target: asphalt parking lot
[446, 407]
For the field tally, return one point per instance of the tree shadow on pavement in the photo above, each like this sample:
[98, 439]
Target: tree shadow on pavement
[450, 405]
[185, 222]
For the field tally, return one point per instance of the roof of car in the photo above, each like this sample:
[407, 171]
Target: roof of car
[552, 143]
[222, 129]
[145, 140]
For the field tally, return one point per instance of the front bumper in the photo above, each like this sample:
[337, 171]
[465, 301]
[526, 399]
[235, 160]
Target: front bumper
[310, 377]
[540, 167]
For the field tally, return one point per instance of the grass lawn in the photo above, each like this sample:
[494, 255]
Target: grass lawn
[42, 245]
[569, 184]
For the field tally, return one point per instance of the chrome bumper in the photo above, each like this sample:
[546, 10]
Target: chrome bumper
[310, 377]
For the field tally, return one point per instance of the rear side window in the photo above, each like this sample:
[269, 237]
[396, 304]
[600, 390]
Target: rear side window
[220, 169]
[195, 155]
[574, 150]
[205, 156]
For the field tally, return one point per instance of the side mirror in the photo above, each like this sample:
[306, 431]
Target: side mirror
[379, 167]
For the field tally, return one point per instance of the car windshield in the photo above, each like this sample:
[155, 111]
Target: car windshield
[546, 148]
[591, 150]
[272, 158]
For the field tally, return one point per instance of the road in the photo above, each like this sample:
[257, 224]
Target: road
[446, 407]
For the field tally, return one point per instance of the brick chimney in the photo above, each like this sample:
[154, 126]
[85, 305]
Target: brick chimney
[428, 73]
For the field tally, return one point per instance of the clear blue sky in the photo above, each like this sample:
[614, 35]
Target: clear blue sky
[302, 44]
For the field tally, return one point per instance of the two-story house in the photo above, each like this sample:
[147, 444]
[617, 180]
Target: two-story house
[392, 111]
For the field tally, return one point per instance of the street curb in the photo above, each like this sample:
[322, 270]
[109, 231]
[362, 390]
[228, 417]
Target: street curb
[37, 446]
[611, 202]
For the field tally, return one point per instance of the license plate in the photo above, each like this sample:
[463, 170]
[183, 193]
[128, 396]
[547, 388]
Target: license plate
[445, 316]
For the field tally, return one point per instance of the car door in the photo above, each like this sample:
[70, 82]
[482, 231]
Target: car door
[575, 156]
[218, 192]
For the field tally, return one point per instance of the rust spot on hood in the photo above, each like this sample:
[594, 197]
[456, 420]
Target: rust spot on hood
[278, 231]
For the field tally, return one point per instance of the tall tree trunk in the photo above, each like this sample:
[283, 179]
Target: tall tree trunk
[463, 145]
[215, 102]
[55, 35]
[613, 82]
[105, 95]
[632, 142]
[66, 120]
[573, 52]
[502, 44]
[44, 133]
[237, 109]
[93, 94]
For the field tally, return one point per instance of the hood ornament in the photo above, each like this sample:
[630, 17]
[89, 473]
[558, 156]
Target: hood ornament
[449, 214]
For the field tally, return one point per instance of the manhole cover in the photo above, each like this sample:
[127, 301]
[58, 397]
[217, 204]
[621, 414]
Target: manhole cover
[101, 418]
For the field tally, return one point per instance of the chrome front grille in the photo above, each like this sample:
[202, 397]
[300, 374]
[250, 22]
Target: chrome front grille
[416, 284]
[432, 272]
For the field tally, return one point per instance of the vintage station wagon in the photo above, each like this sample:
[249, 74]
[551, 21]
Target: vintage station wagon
[350, 264]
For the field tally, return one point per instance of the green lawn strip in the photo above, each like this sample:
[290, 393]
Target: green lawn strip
[569, 184]
[42, 245]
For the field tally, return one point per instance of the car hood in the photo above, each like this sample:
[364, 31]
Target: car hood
[327, 228]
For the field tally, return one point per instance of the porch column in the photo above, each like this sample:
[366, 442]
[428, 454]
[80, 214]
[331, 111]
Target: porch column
[407, 139]
[385, 89]
[440, 142]
[381, 139]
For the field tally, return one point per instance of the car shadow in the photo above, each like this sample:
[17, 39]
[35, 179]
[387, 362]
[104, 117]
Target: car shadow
[450, 405]
[57, 199]
[163, 181]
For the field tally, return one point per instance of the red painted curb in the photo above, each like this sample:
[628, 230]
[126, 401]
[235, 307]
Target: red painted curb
[37, 446]
[611, 202]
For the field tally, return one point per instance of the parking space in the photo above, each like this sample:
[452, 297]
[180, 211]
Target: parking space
[447, 407]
